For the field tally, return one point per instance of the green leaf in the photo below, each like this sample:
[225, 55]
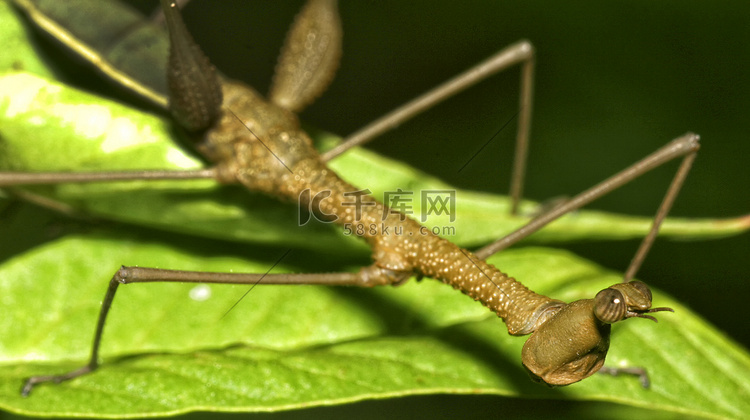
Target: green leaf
[406, 333]
[286, 347]
[19, 53]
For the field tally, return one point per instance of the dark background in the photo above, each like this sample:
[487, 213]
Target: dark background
[615, 80]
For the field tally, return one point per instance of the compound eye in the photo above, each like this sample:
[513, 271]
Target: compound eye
[642, 288]
[609, 306]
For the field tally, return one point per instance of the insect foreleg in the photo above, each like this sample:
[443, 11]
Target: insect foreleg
[640, 372]
[685, 147]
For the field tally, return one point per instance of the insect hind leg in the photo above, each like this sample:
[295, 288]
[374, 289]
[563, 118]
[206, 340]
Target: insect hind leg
[521, 53]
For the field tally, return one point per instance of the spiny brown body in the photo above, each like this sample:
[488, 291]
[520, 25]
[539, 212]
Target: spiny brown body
[267, 151]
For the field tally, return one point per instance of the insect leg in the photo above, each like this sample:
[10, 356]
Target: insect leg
[661, 213]
[37, 178]
[521, 52]
[685, 147]
[13, 179]
[640, 372]
[367, 277]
